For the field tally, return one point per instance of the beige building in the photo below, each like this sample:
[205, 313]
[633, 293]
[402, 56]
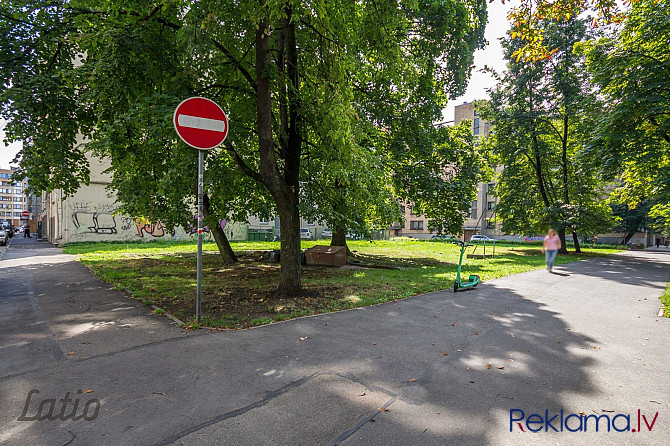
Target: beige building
[13, 200]
[90, 215]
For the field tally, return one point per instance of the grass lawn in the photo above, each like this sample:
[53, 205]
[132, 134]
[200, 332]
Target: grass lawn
[665, 299]
[243, 295]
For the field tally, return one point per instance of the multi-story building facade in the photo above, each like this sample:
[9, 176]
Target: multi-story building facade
[13, 200]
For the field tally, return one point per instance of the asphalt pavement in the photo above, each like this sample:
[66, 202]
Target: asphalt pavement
[440, 368]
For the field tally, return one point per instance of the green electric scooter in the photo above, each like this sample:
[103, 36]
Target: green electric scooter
[473, 280]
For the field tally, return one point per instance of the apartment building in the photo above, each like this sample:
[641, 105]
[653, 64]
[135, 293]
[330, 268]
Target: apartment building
[13, 200]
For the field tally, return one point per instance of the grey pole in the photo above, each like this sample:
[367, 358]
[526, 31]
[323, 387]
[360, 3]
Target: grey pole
[201, 162]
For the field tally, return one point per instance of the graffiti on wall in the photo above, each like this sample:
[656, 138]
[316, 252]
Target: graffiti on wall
[101, 219]
[155, 230]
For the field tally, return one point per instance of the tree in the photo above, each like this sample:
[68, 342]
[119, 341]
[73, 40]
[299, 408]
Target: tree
[540, 114]
[83, 67]
[532, 17]
[631, 141]
[631, 220]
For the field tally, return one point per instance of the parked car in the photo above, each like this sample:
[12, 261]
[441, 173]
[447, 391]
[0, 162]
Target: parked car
[533, 239]
[8, 229]
[326, 233]
[481, 239]
[306, 234]
[3, 237]
[441, 238]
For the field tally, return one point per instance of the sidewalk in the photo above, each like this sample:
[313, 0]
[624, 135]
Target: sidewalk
[440, 368]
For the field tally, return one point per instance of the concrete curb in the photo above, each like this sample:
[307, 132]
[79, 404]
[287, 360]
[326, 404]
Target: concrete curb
[167, 314]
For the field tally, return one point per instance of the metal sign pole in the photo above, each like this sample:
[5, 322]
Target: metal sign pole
[202, 124]
[201, 168]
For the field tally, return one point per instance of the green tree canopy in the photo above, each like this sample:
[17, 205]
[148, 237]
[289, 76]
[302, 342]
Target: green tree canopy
[632, 138]
[541, 115]
[103, 76]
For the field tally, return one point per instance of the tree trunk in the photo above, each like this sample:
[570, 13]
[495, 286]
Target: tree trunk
[561, 235]
[226, 251]
[628, 236]
[339, 238]
[283, 186]
[578, 249]
[289, 223]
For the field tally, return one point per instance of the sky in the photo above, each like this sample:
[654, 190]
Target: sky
[491, 56]
[7, 153]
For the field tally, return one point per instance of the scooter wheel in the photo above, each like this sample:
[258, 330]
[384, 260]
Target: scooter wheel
[455, 287]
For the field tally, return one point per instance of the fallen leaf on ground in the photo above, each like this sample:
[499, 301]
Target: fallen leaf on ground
[581, 412]
[303, 338]
[71, 353]
[445, 354]
[488, 366]
[362, 394]
[477, 333]
[159, 393]
[88, 391]
[86, 342]
[378, 357]
[382, 410]
[453, 325]
[500, 368]
[413, 380]
[438, 413]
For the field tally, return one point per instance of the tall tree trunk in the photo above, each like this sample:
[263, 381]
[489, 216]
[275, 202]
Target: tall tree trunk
[578, 249]
[226, 251]
[339, 238]
[536, 154]
[283, 184]
[290, 273]
[628, 236]
[561, 235]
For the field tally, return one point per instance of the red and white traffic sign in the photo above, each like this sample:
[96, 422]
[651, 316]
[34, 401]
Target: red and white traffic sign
[25, 214]
[201, 123]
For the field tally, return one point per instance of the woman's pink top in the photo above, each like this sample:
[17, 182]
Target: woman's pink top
[552, 242]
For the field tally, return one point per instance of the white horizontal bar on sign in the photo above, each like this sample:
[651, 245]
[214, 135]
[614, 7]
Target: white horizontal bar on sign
[197, 122]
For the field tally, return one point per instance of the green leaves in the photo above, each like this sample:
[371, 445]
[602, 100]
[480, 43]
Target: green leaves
[632, 136]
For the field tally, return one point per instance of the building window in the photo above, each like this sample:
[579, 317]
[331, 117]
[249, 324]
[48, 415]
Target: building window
[475, 126]
[473, 210]
[416, 224]
[402, 209]
[490, 224]
[491, 205]
[17, 206]
[411, 210]
[491, 187]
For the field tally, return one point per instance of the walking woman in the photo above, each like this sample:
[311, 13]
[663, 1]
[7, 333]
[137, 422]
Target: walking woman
[552, 243]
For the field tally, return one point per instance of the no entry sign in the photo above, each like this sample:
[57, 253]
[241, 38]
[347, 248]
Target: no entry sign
[201, 123]
[25, 213]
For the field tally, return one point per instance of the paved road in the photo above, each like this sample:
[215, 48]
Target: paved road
[409, 372]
